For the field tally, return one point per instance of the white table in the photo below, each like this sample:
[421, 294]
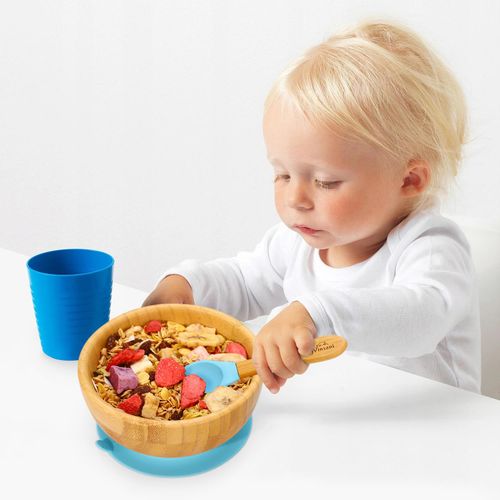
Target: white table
[348, 428]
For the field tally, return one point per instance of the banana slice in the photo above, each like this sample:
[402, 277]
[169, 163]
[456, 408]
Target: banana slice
[196, 335]
[142, 365]
[133, 329]
[198, 327]
[175, 327]
[220, 398]
[150, 407]
[227, 356]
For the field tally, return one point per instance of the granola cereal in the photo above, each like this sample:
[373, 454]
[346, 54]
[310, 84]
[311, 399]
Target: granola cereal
[141, 348]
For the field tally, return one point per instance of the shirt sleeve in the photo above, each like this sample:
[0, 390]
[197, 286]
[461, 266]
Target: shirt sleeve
[433, 290]
[245, 286]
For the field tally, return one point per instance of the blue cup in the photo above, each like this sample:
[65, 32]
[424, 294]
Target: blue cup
[71, 290]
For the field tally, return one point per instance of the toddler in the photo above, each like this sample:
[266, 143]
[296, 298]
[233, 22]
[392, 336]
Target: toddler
[364, 133]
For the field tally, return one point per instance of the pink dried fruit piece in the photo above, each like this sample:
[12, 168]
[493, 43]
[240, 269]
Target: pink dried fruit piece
[153, 326]
[236, 348]
[193, 388]
[131, 405]
[200, 352]
[125, 357]
[168, 372]
[122, 378]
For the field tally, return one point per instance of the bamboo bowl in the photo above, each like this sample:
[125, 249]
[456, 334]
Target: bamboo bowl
[177, 438]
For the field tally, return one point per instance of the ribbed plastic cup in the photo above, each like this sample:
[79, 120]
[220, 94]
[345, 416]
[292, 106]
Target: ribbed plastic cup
[71, 291]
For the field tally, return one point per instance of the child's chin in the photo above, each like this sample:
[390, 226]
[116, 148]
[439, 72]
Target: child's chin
[315, 241]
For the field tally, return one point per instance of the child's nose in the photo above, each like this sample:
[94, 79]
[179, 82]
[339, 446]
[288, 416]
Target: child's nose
[298, 196]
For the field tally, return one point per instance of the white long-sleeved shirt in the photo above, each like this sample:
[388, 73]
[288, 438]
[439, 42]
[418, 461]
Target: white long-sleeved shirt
[412, 305]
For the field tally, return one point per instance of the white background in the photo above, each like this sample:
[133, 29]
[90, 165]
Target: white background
[134, 126]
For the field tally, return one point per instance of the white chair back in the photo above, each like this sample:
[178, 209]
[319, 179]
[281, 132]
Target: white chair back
[484, 240]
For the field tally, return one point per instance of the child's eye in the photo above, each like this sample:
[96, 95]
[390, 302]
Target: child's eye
[282, 176]
[328, 184]
[322, 184]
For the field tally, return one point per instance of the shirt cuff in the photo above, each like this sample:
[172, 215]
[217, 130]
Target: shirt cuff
[190, 270]
[318, 314]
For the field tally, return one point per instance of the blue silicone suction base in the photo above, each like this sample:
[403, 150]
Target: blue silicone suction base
[176, 466]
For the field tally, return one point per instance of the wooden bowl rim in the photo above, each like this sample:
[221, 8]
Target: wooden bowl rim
[86, 380]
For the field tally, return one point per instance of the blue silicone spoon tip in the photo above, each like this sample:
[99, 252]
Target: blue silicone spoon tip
[214, 373]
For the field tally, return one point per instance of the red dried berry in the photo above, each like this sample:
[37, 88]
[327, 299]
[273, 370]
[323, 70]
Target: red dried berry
[203, 405]
[236, 348]
[193, 388]
[131, 405]
[153, 326]
[168, 372]
[125, 357]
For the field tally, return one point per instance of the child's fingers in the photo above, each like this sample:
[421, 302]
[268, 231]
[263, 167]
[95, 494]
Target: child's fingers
[291, 358]
[263, 370]
[275, 361]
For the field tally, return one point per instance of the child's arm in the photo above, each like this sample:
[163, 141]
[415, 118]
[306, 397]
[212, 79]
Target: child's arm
[245, 286]
[433, 291]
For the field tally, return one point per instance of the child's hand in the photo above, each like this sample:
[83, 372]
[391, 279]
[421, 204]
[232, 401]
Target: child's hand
[174, 289]
[280, 344]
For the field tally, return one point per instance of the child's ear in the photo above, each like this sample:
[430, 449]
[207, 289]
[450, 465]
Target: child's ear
[416, 178]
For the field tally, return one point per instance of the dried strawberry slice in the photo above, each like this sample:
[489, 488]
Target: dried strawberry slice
[236, 348]
[131, 405]
[125, 357]
[168, 372]
[153, 326]
[193, 388]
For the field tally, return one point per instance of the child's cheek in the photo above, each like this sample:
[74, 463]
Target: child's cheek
[341, 211]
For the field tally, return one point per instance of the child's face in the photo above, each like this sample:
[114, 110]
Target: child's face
[334, 186]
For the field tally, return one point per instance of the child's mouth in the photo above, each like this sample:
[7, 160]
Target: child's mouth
[306, 230]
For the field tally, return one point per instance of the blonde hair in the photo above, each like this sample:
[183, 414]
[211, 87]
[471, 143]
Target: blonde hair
[378, 82]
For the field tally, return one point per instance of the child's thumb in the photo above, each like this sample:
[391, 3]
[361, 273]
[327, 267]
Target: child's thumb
[304, 341]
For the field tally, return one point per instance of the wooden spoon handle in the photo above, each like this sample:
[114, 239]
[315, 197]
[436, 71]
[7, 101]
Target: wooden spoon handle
[246, 368]
[325, 348]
